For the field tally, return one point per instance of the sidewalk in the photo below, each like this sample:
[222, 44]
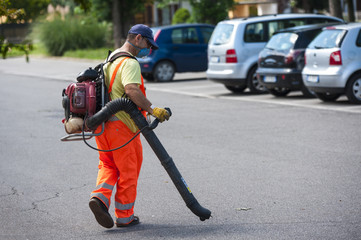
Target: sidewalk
[54, 68]
[61, 68]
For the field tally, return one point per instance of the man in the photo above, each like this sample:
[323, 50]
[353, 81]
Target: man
[122, 167]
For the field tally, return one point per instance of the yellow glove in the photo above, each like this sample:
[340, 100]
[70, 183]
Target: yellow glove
[161, 114]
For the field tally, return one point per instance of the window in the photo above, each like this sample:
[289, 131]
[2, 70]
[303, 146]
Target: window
[254, 33]
[206, 33]
[184, 36]
[306, 37]
[358, 40]
[328, 39]
[282, 41]
[273, 26]
[222, 34]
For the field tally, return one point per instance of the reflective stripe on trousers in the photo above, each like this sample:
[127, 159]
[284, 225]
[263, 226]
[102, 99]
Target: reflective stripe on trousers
[124, 220]
[120, 167]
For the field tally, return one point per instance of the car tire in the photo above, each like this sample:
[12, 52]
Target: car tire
[252, 82]
[328, 97]
[306, 92]
[353, 89]
[279, 92]
[236, 89]
[164, 71]
[148, 76]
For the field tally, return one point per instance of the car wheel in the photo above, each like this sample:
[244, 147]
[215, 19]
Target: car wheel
[306, 92]
[236, 89]
[353, 89]
[164, 71]
[326, 97]
[148, 76]
[252, 81]
[279, 92]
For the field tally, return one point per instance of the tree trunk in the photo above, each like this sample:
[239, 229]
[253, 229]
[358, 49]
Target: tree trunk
[335, 8]
[306, 6]
[350, 11]
[117, 26]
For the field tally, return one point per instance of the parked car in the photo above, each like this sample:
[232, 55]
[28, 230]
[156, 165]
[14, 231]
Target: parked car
[333, 63]
[235, 44]
[281, 62]
[182, 48]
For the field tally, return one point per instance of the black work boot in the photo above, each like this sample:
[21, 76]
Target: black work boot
[135, 221]
[101, 213]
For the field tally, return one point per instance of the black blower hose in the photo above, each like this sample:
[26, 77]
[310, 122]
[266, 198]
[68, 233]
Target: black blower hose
[128, 106]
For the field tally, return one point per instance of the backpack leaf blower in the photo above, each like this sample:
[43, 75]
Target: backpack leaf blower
[86, 107]
[128, 106]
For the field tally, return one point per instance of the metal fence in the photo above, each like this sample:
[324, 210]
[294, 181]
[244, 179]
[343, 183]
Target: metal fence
[14, 33]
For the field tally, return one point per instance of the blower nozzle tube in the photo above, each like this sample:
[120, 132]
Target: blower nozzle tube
[108, 110]
[128, 106]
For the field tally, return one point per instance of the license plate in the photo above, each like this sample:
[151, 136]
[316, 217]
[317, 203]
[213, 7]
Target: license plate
[215, 59]
[270, 79]
[312, 78]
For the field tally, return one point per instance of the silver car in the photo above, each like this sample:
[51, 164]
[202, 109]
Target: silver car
[333, 63]
[235, 44]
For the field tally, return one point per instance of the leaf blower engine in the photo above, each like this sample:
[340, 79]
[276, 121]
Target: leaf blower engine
[82, 100]
[86, 107]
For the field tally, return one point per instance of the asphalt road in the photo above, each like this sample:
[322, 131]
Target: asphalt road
[267, 168]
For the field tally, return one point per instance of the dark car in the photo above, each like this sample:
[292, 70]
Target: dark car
[281, 62]
[182, 48]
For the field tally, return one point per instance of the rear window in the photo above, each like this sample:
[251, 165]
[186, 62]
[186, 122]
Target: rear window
[282, 41]
[329, 38]
[254, 33]
[222, 34]
[184, 35]
[206, 33]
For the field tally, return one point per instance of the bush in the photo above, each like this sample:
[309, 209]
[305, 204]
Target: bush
[59, 36]
[182, 15]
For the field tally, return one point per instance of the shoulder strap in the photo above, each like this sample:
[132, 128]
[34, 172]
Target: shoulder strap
[120, 54]
[114, 74]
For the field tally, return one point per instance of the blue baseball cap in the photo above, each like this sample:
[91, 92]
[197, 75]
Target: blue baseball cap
[146, 32]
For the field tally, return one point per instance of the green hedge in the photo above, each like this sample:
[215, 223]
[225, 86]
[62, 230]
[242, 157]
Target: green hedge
[182, 15]
[59, 36]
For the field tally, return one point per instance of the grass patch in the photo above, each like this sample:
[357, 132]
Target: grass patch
[38, 50]
[97, 54]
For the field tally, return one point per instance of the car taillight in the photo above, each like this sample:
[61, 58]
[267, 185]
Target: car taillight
[156, 35]
[335, 58]
[231, 56]
[292, 56]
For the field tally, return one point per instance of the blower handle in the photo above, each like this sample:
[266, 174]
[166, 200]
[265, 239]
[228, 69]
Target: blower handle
[155, 122]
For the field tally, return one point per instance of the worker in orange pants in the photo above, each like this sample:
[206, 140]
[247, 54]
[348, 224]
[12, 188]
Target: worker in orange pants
[121, 167]
[124, 172]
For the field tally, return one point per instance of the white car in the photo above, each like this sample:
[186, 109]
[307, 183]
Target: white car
[235, 44]
[333, 63]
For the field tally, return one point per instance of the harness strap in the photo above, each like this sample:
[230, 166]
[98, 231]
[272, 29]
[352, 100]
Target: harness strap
[142, 88]
[114, 74]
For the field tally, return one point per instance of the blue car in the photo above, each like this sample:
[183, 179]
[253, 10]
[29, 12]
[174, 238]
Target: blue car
[182, 48]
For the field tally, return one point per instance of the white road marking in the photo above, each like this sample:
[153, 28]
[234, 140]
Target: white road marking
[304, 103]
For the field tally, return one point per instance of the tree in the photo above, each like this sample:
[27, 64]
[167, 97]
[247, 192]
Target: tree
[310, 5]
[32, 8]
[350, 11]
[182, 15]
[120, 12]
[211, 11]
[335, 8]
[13, 14]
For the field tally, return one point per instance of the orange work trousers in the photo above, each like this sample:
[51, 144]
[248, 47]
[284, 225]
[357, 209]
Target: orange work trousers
[120, 167]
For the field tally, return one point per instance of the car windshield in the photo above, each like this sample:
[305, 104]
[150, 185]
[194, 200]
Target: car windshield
[328, 38]
[222, 34]
[282, 41]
